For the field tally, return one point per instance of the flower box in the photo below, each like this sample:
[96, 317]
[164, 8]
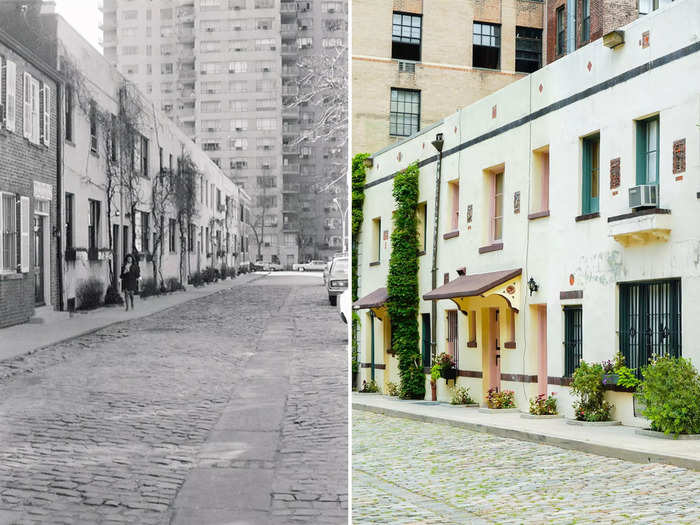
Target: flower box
[70, 254]
[93, 254]
[610, 379]
[448, 373]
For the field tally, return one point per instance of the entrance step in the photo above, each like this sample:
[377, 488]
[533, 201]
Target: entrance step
[46, 315]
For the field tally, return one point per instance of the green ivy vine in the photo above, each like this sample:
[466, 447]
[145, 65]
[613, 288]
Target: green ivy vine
[359, 175]
[402, 284]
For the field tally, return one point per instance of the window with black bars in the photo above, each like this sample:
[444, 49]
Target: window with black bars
[573, 339]
[406, 37]
[528, 49]
[404, 117]
[486, 51]
[453, 335]
[650, 321]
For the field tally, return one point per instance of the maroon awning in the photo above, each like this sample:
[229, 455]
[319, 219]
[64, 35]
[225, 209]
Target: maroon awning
[376, 299]
[471, 285]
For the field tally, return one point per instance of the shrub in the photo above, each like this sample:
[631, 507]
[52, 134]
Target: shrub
[209, 274]
[502, 399]
[196, 279]
[243, 268]
[671, 392]
[173, 284]
[113, 296]
[444, 362]
[369, 388]
[461, 396]
[150, 287]
[587, 384]
[232, 272]
[89, 293]
[392, 389]
[543, 405]
[626, 377]
[435, 372]
[223, 271]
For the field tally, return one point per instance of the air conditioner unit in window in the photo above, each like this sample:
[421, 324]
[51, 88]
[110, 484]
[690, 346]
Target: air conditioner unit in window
[266, 165]
[266, 70]
[210, 29]
[407, 67]
[267, 147]
[239, 128]
[643, 196]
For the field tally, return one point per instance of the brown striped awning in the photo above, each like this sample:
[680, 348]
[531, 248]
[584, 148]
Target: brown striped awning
[376, 299]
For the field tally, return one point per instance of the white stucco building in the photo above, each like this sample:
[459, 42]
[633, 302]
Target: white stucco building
[537, 186]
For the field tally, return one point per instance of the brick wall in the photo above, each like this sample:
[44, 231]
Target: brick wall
[22, 164]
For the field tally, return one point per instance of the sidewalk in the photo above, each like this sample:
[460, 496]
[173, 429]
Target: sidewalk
[59, 326]
[613, 441]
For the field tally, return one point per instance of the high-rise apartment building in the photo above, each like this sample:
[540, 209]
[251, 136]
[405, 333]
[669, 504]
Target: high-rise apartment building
[224, 70]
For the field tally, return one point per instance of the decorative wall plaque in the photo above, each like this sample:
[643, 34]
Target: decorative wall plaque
[615, 173]
[516, 202]
[679, 156]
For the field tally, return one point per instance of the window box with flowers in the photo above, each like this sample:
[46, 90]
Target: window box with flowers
[447, 367]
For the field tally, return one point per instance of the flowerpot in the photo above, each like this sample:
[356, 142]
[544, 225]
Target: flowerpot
[487, 410]
[660, 435]
[448, 373]
[610, 379]
[433, 390]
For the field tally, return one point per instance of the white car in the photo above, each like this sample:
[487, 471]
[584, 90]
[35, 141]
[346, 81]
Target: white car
[311, 266]
[337, 279]
[345, 306]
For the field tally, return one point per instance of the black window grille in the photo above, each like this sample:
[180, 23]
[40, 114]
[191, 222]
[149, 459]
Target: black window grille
[453, 335]
[573, 339]
[650, 321]
[425, 318]
[528, 49]
[405, 112]
[487, 45]
[406, 37]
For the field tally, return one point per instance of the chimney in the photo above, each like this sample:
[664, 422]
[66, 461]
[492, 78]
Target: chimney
[48, 7]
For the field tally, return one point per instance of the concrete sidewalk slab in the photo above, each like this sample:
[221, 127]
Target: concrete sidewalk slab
[26, 338]
[613, 441]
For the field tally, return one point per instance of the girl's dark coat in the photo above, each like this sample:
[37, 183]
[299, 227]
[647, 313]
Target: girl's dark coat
[130, 279]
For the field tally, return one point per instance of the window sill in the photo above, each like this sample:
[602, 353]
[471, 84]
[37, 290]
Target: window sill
[375, 263]
[641, 213]
[538, 215]
[69, 142]
[421, 253]
[11, 276]
[496, 246]
[94, 154]
[451, 235]
[588, 216]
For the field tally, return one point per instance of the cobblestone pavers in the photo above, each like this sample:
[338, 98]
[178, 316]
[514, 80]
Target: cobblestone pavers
[105, 428]
[412, 472]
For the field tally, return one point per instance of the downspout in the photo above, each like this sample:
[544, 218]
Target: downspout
[438, 143]
[59, 190]
[371, 324]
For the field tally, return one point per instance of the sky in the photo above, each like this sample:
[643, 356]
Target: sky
[83, 15]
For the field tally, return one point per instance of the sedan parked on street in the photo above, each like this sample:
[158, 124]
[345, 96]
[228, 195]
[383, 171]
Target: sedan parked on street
[337, 279]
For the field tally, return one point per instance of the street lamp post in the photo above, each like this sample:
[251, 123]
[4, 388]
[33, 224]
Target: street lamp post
[342, 221]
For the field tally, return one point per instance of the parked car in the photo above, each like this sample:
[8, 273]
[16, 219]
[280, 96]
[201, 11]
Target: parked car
[311, 266]
[337, 279]
[345, 306]
[326, 270]
[273, 267]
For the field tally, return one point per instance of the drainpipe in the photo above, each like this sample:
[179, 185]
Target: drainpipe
[371, 324]
[438, 143]
[59, 190]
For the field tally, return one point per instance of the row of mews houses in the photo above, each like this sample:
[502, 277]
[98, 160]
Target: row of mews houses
[93, 171]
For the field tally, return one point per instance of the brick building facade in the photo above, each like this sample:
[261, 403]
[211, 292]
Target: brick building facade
[29, 274]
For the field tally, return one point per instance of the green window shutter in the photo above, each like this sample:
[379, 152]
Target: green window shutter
[641, 152]
[586, 204]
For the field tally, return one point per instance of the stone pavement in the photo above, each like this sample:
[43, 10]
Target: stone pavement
[613, 441]
[184, 416]
[50, 327]
[407, 471]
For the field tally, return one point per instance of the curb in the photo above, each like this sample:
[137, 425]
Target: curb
[635, 456]
[112, 323]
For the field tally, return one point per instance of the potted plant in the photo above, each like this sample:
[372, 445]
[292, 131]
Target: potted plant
[543, 406]
[462, 396]
[447, 366]
[587, 384]
[499, 400]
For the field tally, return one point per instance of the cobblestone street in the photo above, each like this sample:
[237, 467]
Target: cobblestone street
[135, 422]
[406, 471]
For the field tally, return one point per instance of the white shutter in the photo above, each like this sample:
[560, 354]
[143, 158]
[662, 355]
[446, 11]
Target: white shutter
[27, 106]
[47, 115]
[36, 118]
[11, 96]
[24, 225]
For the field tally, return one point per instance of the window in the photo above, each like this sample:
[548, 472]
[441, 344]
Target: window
[211, 146]
[590, 174]
[263, 24]
[190, 238]
[240, 124]
[561, 31]
[238, 144]
[266, 201]
[166, 69]
[528, 49]
[93, 225]
[265, 44]
[585, 20]
[238, 86]
[647, 6]
[425, 339]
[422, 226]
[404, 119]
[93, 127]
[648, 151]
[486, 51]
[210, 46]
[172, 225]
[70, 199]
[573, 339]
[267, 181]
[305, 42]
[540, 180]
[266, 123]
[406, 37]
[453, 335]
[140, 158]
[237, 67]
[496, 226]
[32, 95]
[8, 229]
[650, 321]
[130, 50]
[264, 4]
[238, 106]
[145, 230]
[69, 112]
[130, 15]
[10, 95]
[453, 196]
[207, 241]
[377, 239]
